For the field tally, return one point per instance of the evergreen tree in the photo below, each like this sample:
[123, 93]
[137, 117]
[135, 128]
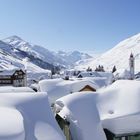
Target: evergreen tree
[89, 69]
[114, 69]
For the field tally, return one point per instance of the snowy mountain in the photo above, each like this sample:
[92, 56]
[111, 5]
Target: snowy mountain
[9, 62]
[56, 58]
[119, 55]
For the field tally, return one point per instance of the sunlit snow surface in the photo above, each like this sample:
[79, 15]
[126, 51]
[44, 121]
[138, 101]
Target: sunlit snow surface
[57, 88]
[27, 116]
[115, 107]
[118, 55]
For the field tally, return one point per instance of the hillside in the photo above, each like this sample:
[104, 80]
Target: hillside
[119, 55]
[8, 62]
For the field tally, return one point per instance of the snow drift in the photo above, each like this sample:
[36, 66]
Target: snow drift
[27, 116]
[81, 111]
[116, 108]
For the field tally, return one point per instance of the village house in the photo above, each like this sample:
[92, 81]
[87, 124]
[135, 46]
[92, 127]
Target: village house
[16, 78]
[57, 88]
[87, 88]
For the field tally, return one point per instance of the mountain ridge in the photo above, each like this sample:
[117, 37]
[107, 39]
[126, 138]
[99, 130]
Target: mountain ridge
[65, 59]
[118, 55]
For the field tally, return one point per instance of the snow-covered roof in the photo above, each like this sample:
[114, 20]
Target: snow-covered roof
[81, 111]
[57, 88]
[89, 74]
[119, 95]
[8, 89]
[107, 75]
[100, 81]
[8, 72]
[118, 106]
[27, 116]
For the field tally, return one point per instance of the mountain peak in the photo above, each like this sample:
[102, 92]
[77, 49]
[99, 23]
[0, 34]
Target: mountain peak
[61, 57]
[12, 38]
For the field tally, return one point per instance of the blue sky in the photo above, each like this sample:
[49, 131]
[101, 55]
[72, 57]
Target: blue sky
[85, 25]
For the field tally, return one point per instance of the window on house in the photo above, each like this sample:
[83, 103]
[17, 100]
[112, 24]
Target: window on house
[134, 137]
[111, 136]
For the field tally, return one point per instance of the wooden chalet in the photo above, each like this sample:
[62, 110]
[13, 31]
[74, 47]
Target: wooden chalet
[87, 88]
[12, 77]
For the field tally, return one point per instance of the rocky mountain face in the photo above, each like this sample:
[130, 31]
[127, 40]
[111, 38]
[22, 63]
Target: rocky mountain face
[40, 55]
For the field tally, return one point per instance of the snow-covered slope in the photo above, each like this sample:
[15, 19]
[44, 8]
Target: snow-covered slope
[70, 58]
[8, 62]
[55, 58]
[119, 55]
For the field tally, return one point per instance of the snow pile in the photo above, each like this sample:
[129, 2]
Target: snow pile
[12, 127]
[9, 89]
[118, 110]
[100, 81]
[119, 106]
[57, 88]
[27, 116]
[81, 111]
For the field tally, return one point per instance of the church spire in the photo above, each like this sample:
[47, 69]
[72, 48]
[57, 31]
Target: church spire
[131, 55]
[132, 66]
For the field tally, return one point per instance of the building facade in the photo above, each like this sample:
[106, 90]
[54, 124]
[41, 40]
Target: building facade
[16, 78]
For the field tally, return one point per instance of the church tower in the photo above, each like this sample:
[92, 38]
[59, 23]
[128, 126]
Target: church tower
[132, 66]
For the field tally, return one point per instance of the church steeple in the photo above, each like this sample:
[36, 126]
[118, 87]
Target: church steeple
[132, 66]
[131, 55]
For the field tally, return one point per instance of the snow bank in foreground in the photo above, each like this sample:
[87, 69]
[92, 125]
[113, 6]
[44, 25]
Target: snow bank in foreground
[11, 124]
[27, 116]
[119, 107]
[80, 110]
[116, 98]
